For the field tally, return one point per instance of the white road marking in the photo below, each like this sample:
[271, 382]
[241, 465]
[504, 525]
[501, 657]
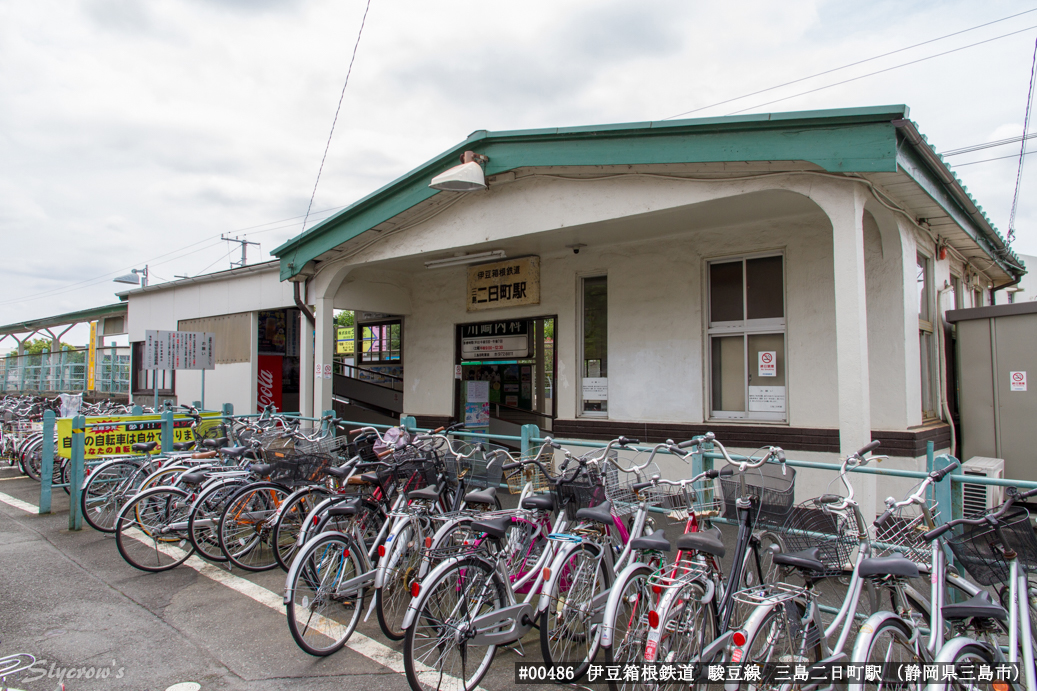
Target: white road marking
[358, 642]
[18, 503]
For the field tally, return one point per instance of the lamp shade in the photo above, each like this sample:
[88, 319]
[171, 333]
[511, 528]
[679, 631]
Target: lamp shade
[467, 177]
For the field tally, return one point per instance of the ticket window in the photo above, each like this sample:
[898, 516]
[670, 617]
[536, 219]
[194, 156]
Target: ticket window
[515, 361]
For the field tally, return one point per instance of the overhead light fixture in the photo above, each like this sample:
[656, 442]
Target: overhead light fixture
[134, 277]
[466, 259]
[467, 177]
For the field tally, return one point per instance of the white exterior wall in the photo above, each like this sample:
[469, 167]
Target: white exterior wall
[163, 308]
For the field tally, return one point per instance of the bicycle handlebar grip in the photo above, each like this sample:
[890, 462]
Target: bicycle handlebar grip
[712, 473]
[829, 499]
[727, 470]
[780, 455]
[511, 466]
[870, 446]
[623, 441]
[638, 486]
[385, 453]
[554, 444]
[437, 430]
[686, 444]
[1027, 494]
[936, 532]
[456, 425]
[884, 517]
[943, 472]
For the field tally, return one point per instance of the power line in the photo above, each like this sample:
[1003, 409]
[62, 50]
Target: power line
[985, 160]
[888, 69]
[987, 145]
[327, 146]
[852, 64]
[1022, 149]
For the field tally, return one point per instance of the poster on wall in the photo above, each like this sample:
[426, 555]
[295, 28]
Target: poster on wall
[273, 332]
[492, 340]
[768, 363]
[767, 399]
[268, 382]
[477, 404]
[507, 283]
[595, 388]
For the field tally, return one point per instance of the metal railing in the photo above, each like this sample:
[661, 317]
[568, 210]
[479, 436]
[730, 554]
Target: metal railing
[65, 371]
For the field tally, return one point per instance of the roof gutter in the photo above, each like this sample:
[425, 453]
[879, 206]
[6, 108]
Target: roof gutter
[953, 187]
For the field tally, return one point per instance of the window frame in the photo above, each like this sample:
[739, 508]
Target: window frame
[926, 328]
[745, 328]
[580, 278]
[358, 336]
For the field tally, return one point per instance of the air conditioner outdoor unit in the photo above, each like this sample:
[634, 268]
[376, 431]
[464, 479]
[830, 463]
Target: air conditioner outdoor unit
[979, 498]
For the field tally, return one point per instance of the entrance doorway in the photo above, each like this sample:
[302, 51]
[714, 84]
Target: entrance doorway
[507, 374]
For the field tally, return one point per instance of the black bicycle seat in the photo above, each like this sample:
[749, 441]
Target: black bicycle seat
[602, 513]
[214, 443]
[234, 451]
[808, 559]
[431, 493]
[193, 478]
[895, 565]
[544, 502]
[348, 508]
[980, 606]
[708, 541]
[145, 446]
[261, 468]
[482, 496]
[182, 445]
[497, 527]
[656, 541]
[340, 473]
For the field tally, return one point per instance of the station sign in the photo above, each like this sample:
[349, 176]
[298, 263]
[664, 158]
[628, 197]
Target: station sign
[344, 340]
[495, 340]
[508, 283]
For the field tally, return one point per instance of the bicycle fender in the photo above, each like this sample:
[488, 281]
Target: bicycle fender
[949, 652]
[752, 629]
[868, 629]
[669, 598]
[417, 602]
[426, 561]
[613, 603]
[293, 570]
[556, 566]
[402, 531]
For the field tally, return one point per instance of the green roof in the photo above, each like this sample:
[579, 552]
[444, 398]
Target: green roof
[87, 315]
[861, 140]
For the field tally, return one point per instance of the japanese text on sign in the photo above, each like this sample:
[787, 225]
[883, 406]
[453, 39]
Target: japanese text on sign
[768, 361]
[179, 350]
[1017, 380]
[503, 339]
[118, 438]
[504, 284]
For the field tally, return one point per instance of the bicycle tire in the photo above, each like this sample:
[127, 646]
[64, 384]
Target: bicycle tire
[974, 654]
[105, 492]
[567, 633]
[630, 626]
[289, 523]
[890, 643]
[245, 527]
[772, 641]
[143, 534]
[203, 523]
[403, 560]
[32, 459]
[689, 628]
[315, 614]
[437, 643]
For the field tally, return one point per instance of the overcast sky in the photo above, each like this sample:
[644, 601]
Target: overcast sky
[137, 132]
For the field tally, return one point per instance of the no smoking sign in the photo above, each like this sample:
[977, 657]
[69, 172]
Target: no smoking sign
[767, 365]
[1017, 380]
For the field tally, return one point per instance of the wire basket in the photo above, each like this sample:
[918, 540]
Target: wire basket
[981, 552]
[531, 474]
[619, 486]
[773, 487]
[327, 445]
[482, 469]
[584, 490]
[414, 470]
[813, 524]
[705, 500]
[299, 468]
[903, 531]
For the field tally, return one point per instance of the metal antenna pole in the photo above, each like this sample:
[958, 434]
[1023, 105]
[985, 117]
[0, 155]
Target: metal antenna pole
[244, 249]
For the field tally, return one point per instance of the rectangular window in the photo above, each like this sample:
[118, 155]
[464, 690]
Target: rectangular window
[926, 339]
[381, 343]
[747, 338]
[594, 327]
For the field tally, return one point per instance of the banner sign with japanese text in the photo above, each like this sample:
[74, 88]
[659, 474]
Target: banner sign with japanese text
[507, 283]
[117, 438]
[494, 340]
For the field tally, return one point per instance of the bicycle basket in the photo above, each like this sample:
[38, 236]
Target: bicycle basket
[981, 552]
[772, 489]
[517, 479]
[902, 533]
[583, 491]
[813, 524]
[324, 445]
[705, 500]
[415, 471]
[298, 468]
[619, 485]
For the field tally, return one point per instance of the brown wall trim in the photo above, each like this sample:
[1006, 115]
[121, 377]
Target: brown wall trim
[433, 421]
[907, 443]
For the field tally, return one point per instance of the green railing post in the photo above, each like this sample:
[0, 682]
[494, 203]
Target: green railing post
[528, 434]
[75, 475]
[197, 404]
[408, 422]
[47, 466]
[137, 410]
[325, 424]
[167, 431]
[228, 408]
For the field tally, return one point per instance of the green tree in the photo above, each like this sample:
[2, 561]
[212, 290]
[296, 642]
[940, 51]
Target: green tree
[344, 318]
[36, 346]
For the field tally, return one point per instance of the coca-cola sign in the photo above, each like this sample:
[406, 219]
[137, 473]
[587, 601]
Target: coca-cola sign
[268, 382]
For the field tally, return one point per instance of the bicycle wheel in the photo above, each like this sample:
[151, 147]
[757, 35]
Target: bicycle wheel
[440, 650]
[688, 629]
[320, 617]
[163, 476]
[972, 655]
[109, 486]
[775, 642]
[630, 627]
[203, 522]
[151, 529]
[568, 634]
[289, 523]
[891, 643]
[62, 474]
[403, 561]
[246, 526]
[32, 459]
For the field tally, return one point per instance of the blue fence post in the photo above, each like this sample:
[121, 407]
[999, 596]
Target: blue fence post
[228, 408]
[136, 410]
[408, 422]
[197, 404]
[47, 466]
[167, 431]
[325, 424]
[528, 434]
[75, 475]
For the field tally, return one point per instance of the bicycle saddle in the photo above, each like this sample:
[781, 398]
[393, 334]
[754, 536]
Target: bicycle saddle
[496, 527]
[214, 443]
[145, 446]
[234, 451]
[482, 496]
[708, 541]
[602, 513]
[193, 478]
[980, 606]
[895, 565]
[544, 502]
[340, 473]
[431, 493]
[808, 559]
[656, 541]
[261, 468]
[182, 445]
[373, 478]
[348, 508]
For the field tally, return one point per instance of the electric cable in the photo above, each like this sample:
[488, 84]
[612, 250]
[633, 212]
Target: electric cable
[987, 145]
[1022, 149]
[985, 160]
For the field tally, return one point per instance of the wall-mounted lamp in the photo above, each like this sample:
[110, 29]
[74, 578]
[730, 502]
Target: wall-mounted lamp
[467, 177]
[466, 259]
[134, 278]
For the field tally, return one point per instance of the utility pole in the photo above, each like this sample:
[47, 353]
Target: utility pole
[244, 249]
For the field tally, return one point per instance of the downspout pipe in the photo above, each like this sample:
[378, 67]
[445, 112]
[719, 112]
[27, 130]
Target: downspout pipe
[302, 305]
[941, 340]
[993, 299]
